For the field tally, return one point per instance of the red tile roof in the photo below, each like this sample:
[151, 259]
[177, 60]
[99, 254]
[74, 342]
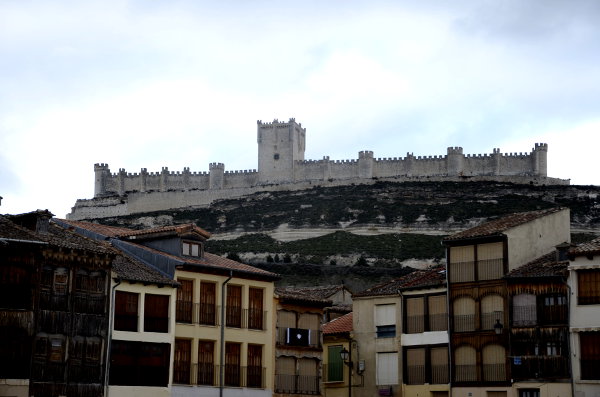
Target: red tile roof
[427, 278]
[301, 294]
[340, 325]
[544, 266]
[586, 249]
[497, 227]
[114, 231]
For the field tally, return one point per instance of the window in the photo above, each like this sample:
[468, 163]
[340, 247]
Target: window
[61, 281]
[465, 368]
[490, 265]
[156, 313]
[126, 311]
[494, 363]
[492, 309]
[387, 369]
[415, 366]
[588, 282]
[464, 314]
[182, 361]
[191, 249]
[524, 310]
[462, 260]
[254, 369]
[234, 306]
[139, 363]
[56, 351]
[476, 262]
[207, 304]
[335, 365]
[310, 323]
[426, 313]
[185, 303]
[255, 309]
[15, 287]
[529, 392]
[232, 364]
[206, 366]
[385, 320]
[554, 309]
[426, 365]
[415, 315]
[589, 345]
[308, 374]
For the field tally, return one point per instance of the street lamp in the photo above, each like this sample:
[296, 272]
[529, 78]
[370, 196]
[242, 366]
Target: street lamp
[346, 357]
[498, 327]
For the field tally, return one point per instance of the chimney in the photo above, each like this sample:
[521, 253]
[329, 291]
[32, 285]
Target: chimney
[562, 252]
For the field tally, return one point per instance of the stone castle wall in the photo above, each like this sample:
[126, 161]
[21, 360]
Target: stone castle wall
[281, 164]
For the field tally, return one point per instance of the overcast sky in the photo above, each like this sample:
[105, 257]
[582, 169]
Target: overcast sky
[147, 84]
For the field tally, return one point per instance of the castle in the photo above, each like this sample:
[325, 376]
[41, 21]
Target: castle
[281, 166]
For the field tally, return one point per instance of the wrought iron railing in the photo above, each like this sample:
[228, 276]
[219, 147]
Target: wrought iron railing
[296, 384]
[209, 314]
[494, 372]
[539, 367]
[488, 320]
[465, 373]
[207, 374]
[464, 322]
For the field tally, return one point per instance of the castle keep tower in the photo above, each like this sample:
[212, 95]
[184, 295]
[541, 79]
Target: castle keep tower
[280, 145]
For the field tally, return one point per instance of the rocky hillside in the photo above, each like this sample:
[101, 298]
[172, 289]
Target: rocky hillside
[386, 225]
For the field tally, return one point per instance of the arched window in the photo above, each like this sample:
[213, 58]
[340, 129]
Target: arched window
[492, 309]
[464, 314]
[465, 358]
[494, 363]
[524, 310]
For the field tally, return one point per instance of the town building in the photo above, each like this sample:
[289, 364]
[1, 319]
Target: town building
[400, 337]
[338, 362]
[584, 284]
[54, 296]
[478, 259]
[539, 355]
[221, 318]
[298, 342]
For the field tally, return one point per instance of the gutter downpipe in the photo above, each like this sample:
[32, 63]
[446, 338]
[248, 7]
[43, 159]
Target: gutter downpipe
[449, 322]
[222, 353]
[566, 282]
[110, 327]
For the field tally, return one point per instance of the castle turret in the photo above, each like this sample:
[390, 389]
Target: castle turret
[496, 155]
[280, 145]
[216, 176]
[143, 179]
[164, 179]
[121, 181]
[539, 156]
[102, 173]
[455, 161]
[365, 164]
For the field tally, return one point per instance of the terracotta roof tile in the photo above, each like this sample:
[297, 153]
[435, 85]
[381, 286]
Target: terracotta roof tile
[10, 230]
[585, 249]
[301, 294]
[339, 325]
[130, 269]
[114, 231]
[498, 226]
[432, 277]
[544, 266]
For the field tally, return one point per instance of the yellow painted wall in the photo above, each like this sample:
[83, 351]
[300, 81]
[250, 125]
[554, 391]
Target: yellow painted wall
[196, 332]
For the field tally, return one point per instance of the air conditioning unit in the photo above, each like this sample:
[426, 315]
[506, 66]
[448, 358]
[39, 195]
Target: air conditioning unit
[297, 337]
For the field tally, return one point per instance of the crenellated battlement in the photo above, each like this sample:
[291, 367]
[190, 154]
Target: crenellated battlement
[281, 146]
[455, 150]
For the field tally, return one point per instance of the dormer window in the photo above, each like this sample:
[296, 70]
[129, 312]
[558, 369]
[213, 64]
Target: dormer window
[189, 248]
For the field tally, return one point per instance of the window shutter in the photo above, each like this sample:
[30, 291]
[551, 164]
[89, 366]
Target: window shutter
[387, 369]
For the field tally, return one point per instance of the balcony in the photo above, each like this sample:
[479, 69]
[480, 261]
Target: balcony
[415, 375]
[209, 314]
[416, 324]
[487, 269]
[488, 320]
[313, 340]
[494, 372]
[464, 322]
[296, 384]
[539, 367]
[440, 374]
[207, 374]
[465, 373]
